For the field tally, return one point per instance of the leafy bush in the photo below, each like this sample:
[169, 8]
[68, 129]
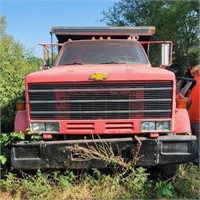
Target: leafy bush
[16, 63]
[6, 140]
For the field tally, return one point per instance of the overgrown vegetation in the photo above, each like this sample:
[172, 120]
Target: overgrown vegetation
[100, 185]
[6, 139]
[122, 181]
[16, 63]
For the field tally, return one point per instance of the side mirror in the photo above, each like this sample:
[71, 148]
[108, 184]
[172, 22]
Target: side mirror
[46, 52]
[159, 52]
[44, 67]
[46, 64]
[46, 56]
[165, 55]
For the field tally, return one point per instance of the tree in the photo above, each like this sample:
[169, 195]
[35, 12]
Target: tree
[177, 21]
[16, 63]
[2, 25]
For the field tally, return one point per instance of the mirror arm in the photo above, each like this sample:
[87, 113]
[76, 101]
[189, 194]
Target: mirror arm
[167, 50]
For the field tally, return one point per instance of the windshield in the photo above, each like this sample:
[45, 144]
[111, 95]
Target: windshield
[101, 52]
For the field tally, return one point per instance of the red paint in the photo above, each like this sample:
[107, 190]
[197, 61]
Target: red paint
[21, 124]
[181, 122]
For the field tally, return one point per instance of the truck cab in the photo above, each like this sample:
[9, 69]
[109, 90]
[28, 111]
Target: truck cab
[102, 90]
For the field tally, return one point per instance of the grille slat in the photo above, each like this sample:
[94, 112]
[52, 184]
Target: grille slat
[99, 101]
[103, 100]
[99, 89]
[92, 112]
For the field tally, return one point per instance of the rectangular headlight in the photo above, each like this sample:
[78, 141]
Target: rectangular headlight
[52, 127]
[37, 127]
[163, 126]
[49, 127]
[147, 126]
[155, 126]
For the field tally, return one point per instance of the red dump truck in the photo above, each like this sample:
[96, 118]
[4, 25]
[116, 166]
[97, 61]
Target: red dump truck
[103, 91]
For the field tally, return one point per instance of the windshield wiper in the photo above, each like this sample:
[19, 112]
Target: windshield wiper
[74, 63]
[119, 62]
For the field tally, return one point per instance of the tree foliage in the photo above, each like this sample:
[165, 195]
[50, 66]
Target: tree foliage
[177, 21]
[16, 63]
[2, 26]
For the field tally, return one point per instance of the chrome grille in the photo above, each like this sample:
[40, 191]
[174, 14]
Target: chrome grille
[100, 100]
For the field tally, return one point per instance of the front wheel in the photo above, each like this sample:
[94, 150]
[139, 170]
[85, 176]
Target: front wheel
[168, 171]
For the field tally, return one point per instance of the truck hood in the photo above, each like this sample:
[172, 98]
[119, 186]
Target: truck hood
[112, 72]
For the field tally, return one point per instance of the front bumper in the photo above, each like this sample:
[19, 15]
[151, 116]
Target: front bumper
[174, 149]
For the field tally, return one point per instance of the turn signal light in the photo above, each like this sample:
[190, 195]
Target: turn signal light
[20, 105]
[181, 103]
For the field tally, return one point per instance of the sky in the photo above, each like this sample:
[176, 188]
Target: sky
[30, 21]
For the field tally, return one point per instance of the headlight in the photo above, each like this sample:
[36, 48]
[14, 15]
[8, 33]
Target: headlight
[155, 126]
[147, 126]
[52, 127]
[37, 127]
[44, 127]
[163, 126]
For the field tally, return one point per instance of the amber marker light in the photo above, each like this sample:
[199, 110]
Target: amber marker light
[20, 105]
[181, 103]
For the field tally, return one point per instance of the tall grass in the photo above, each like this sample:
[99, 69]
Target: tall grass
[97, 184]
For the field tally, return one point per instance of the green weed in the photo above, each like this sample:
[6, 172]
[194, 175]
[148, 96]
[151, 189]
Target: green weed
[187, 182]
[5, 140]
[8, 138]
[164, 189]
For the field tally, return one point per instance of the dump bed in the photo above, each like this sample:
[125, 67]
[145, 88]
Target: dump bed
[82, 33]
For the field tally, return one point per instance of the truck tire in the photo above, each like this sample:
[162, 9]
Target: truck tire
[168, 171]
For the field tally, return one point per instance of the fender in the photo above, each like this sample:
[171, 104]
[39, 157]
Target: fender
[21, 121]
[181, 121]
